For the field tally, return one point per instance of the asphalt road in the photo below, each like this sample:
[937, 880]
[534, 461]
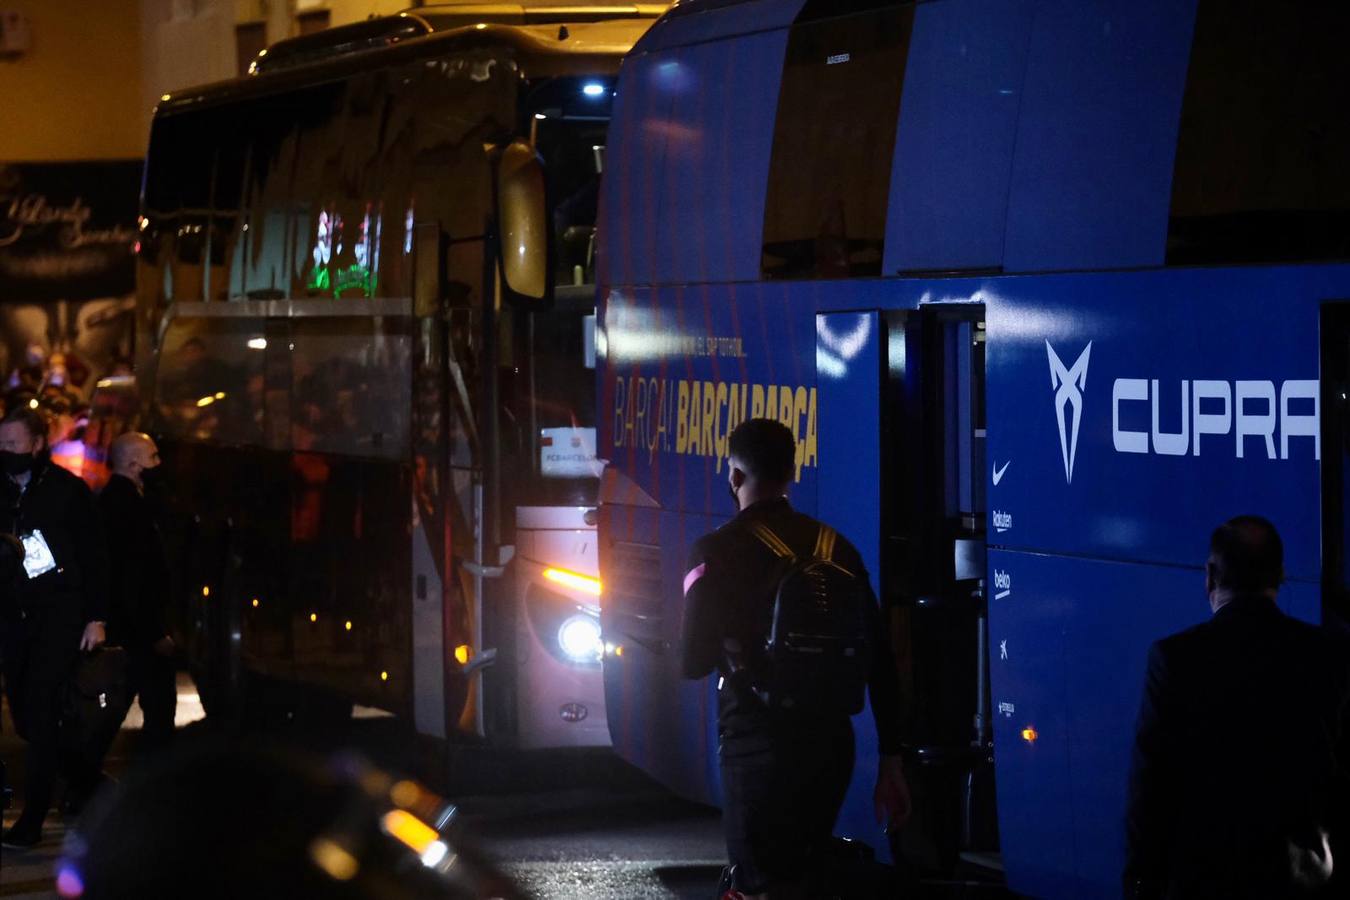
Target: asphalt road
[567, 824]
[564, 824]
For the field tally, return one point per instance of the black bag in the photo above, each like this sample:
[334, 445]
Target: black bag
[818, 649]
[94, 704]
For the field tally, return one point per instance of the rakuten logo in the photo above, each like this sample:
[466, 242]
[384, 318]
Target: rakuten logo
[1254, 412]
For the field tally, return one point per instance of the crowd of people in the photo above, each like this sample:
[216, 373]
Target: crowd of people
[80, 573]
[63, 387]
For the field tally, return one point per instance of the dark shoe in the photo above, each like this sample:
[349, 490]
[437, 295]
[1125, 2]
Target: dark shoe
[77, 797]
[22, 838]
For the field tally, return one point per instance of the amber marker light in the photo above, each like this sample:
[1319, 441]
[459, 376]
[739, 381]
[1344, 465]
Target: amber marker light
[336, 860]
[462, 653]
[206, 590]
[409, 830]
[1029, 734]
[575, 580]
[405, 794]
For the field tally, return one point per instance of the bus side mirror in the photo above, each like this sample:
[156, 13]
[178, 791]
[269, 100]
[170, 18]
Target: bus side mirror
[522, 222]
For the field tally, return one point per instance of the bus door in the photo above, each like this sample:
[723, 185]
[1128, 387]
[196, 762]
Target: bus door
[934, 435]
[449, 565]
[1335, 425]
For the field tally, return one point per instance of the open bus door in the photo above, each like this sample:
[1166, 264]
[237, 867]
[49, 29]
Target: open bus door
[934, 576]
[1335, 425]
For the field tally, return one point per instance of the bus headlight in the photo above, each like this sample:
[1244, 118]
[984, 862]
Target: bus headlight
[579, 638]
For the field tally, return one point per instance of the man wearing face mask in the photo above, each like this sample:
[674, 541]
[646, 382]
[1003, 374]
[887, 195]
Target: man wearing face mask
[57, 606]
[786, 757]
[139, 594]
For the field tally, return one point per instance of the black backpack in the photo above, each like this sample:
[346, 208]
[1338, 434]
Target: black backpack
[818, 650]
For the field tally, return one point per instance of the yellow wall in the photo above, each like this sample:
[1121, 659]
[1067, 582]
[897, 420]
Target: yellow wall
[76, 93]
[345, 11]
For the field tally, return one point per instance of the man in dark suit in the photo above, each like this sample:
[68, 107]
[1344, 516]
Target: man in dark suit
[139, 590]
[54, 609]
[1238, 785]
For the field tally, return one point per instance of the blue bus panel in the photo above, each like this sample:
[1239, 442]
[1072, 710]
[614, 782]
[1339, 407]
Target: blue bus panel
[1129, 408]
[1115, 397]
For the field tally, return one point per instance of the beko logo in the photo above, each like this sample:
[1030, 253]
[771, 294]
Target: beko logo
[1068, 385]
[1249, 410]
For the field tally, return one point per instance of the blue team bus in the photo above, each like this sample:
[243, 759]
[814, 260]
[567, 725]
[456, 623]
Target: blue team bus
[1046, 289]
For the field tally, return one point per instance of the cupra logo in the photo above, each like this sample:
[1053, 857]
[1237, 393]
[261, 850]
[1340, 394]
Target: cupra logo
[1068, 385]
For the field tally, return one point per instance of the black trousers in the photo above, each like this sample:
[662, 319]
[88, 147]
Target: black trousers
[40, 651]
[152, 678]
[781, 795]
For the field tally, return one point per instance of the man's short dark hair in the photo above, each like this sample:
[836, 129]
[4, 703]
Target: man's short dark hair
[32, 420]
[766, 450]
[1247, 554]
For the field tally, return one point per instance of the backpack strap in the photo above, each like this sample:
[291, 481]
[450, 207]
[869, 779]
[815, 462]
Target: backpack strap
[824, 549]
[775, 544]
[825, 543]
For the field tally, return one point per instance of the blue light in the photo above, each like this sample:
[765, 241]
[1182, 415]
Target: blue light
[594, 90]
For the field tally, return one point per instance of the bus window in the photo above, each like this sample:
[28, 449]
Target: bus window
[350, 386]
[210, 381]
[267, 194]
[1260, 172]
[224, 230]
[830, 173]
[325, 195]
[460, 108]
[562, 412]
[573, 153]
[177, 195]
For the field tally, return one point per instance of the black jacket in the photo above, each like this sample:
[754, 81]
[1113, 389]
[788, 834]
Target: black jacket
[728, 588]
[1241, 749]
[61, 506]
[139, 585]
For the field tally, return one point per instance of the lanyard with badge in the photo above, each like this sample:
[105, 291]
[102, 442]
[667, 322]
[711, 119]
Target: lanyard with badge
[37, 556]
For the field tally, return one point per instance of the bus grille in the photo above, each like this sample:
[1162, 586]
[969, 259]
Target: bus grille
[632, 599]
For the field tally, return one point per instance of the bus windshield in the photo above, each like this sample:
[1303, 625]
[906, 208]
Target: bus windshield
[562, 410]
[568, 119]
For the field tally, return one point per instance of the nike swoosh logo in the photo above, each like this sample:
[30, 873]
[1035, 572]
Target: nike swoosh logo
[998, 473]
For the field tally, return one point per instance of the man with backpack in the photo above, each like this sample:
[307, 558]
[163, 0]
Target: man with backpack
[781, 606]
